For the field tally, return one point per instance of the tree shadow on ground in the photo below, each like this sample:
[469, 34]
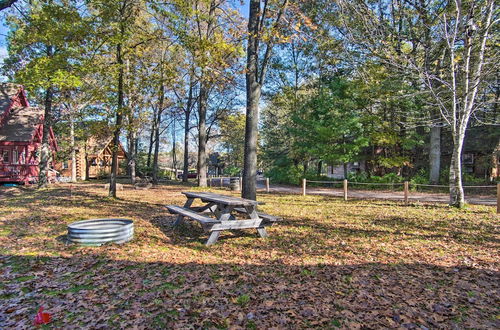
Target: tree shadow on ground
[91, 291]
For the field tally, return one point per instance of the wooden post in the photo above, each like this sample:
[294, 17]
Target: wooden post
[267, 184]
[406, 186]
[303, 187]
[241, 183]
[345, 189]
[498, 198]
[221, 181]
[210, 181]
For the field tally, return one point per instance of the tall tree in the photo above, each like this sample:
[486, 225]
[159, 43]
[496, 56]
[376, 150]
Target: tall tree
[264, 19]
[208, 31]
[44, 55]
[461, 37]
[117, 22]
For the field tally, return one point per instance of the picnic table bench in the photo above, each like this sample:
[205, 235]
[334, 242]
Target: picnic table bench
[223, 207]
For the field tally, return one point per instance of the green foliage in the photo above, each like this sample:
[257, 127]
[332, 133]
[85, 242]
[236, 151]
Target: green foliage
[232, 130]
[364, 177]
[232, 170]
[45, 46]
[285, 174]
[329, 125]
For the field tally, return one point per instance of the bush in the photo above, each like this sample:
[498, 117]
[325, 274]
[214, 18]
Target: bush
[289, 175]
[366, 178]
[422, 177]
[232, 171]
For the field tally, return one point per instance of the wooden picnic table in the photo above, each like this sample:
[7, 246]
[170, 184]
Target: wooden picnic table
[224, 208]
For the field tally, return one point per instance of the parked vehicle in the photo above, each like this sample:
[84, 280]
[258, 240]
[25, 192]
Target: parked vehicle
[191, 175]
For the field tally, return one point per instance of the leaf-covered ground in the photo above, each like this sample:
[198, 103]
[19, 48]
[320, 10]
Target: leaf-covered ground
[329, 264]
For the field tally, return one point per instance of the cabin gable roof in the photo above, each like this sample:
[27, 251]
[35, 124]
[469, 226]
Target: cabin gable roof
[98, 146]
[21, 125]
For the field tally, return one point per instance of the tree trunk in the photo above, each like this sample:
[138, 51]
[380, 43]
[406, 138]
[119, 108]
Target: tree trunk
[457, 198]
[187, 114]
[151, 142]
[132, 152]
[174, 153]
[344, 165]
[157, 144]
[253, 90]
[186, 149]
[250, 159]
[435, 155]
[119, 119]
[87, 164]
[320, 167]
[73, 149]
[202, 136]
[45, 154]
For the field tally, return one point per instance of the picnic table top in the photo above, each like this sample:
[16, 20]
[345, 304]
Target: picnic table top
[220, 199]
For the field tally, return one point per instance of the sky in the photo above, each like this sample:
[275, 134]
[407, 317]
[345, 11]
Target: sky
[3, 44]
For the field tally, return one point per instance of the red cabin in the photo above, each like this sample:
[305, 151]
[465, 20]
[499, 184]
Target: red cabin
[21, 130]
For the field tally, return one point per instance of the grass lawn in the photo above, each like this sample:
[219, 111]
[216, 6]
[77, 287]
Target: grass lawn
[329, 264]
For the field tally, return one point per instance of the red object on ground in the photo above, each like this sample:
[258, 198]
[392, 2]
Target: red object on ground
[41, 317]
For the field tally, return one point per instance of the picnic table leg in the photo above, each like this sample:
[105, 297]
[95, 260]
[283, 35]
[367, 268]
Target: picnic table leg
[262, 232]
[214, 236]
[252, 212]
[180, 217]
[223, 213]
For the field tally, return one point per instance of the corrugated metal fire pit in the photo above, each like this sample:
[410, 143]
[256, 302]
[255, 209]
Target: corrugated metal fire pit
[100, 231]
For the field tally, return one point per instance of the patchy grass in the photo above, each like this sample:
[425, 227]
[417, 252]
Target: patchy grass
[329, 264]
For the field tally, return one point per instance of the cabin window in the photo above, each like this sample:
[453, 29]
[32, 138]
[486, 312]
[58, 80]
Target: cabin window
[15, 156]
[468, 159]
[34, 156]
[93, 162]
[5, 156]
[65, 165]
[22, 159]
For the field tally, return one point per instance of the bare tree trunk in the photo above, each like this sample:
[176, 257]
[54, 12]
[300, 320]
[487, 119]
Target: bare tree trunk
[457, 198]
[253, 97]
[435, 155]
[87, 164]
[202, 136]
[161, 101]
[344, 165]
[156, 148]
[250, 159]
[187, 114]
[151, 141]
[174, 153]
[119, 119]
[320, 167]
[495, 156]
[73, 149]
[132, 152]
[45, 154]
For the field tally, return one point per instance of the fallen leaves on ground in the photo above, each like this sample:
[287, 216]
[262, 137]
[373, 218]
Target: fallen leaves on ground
[329, 264]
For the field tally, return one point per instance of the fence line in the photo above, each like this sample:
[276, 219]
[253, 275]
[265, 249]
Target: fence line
[406, 186]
